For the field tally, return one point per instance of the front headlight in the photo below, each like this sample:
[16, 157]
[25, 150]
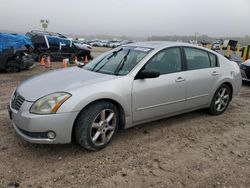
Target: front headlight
[49, 104]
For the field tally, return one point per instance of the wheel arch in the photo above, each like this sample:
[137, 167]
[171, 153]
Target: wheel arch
[212, 108]
[117, 104]
[219, 84]
[11, 58]
[231, 87]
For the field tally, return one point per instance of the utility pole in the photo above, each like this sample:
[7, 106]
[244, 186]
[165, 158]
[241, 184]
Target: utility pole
[45, 24]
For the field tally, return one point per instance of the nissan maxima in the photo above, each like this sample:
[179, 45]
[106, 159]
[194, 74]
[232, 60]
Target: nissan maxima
[127, 86]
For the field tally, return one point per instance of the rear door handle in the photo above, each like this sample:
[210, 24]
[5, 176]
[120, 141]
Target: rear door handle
[180, 79]
[214, 73]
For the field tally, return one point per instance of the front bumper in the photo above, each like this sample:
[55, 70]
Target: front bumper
[28, 61]
[34, 128]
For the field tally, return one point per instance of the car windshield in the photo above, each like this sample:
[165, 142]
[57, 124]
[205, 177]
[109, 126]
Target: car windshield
[119, 61]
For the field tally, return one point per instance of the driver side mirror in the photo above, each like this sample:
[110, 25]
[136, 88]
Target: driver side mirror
[143, 74]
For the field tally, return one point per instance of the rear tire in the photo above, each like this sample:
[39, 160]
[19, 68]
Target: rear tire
[96, 125]
[12, 66]
[221, 100]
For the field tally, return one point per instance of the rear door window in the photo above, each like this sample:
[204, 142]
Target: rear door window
[196, 58]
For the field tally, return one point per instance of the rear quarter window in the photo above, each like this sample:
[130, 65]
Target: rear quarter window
[213, 60]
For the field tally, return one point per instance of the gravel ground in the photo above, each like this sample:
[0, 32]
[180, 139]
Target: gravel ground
[190, 150]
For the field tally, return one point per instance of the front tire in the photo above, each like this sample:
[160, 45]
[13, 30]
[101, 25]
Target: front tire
[96, 125]
[12, 66]
[220, 100]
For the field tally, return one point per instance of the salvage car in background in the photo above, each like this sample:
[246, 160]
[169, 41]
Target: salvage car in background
[130, 85]
[82, 45]
[56, 46]
[233, 56]
[244, 66]
[245, 70]
[15, 52]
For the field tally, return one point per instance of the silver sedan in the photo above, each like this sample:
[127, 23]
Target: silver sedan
[129, 85]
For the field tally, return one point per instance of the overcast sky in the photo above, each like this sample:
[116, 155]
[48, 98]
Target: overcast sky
[129, 17]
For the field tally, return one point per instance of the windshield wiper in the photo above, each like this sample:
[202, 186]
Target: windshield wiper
[97, 64]
[121, 64]
[114, 53]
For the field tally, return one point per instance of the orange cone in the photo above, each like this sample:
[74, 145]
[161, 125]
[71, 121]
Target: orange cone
[48, 63]
[86, 60]
[42, 62]
[65, 63]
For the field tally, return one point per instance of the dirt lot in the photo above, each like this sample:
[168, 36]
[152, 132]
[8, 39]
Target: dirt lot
[190, 150]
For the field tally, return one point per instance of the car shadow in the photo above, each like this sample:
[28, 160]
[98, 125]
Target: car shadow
[246, 83]
[125, 135]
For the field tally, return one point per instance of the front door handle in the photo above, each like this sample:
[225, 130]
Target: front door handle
[180, 79]
[214, 73]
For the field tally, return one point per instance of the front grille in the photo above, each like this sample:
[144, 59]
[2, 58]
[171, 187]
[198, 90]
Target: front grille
[17, 101]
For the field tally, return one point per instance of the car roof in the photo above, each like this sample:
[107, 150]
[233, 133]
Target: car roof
[158, 44]
[41, 33]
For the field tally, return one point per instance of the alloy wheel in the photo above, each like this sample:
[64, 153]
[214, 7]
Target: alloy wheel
[222, 99]
[103, 127]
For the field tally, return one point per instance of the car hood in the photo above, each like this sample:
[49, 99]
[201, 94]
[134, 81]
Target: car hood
[59, 80]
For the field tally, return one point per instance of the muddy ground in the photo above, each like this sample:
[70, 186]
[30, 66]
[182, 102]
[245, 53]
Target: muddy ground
[190, 150]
